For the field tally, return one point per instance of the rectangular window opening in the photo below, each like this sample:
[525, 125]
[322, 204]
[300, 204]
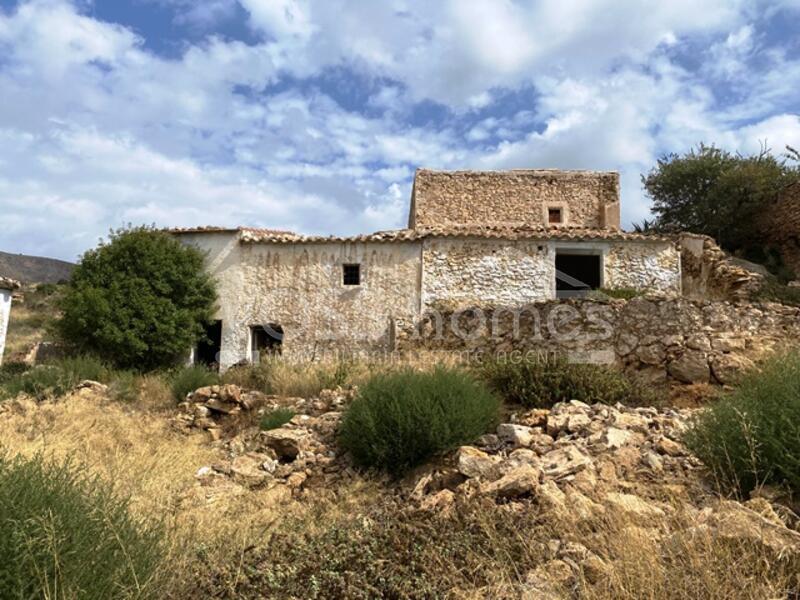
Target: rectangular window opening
[351, 274]
[554, 216]
[265, 339]
[577, 274]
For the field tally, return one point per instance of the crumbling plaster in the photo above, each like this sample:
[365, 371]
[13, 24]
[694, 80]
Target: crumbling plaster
[462, 272]
[300, 287]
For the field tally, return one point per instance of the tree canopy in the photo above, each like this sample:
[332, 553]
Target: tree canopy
[714, 192]
[139, 300]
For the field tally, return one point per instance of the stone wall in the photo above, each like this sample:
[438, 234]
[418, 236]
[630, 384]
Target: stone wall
[299, 287]
[710, 274]
[464, 272]
[461, 272]
[652, 266]
[587, 199]
[661, 338]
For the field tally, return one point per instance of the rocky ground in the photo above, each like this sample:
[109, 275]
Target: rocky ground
[575, 462]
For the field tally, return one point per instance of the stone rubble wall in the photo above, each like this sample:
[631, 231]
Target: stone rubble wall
[460, 272]
[587, 199]
[708, 273]
[661, 338]
[655, 267]
[470, 272]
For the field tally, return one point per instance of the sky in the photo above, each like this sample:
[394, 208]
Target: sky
[312, 115]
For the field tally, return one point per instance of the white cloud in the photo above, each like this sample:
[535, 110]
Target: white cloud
[96, 130]
[280, 18]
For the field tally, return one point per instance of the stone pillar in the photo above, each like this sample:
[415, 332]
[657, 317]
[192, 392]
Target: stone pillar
[7, 286]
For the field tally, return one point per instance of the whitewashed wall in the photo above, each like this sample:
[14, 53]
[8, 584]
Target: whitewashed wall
[653, 266]
[299, 286]
[468, 272]
[461, 272]
[5, 313]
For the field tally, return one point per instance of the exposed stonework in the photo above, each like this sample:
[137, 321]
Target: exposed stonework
[478, 272]
[586, 199]
[469, 272]
[7, 286]
[675, 338]
[652, 266]
[475, 239]
[708, 273]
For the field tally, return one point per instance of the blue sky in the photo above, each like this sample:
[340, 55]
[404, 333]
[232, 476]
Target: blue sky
[312, 115]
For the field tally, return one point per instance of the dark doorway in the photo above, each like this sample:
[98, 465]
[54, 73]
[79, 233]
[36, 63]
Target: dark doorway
[208, 348]
[576, 274]
[266, 339]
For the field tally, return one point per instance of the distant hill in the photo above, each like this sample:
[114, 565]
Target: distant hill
[34, 269]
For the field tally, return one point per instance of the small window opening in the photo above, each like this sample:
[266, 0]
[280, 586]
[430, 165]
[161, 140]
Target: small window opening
[554, 216]
[266, 339]
[577, 274]
[351, 274]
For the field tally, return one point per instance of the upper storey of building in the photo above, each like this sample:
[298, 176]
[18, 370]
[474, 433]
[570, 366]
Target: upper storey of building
[532, 198]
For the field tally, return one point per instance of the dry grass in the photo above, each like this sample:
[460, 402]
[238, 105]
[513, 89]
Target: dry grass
[227, 541]
[368, 547]
[27, 323]
[138, 451]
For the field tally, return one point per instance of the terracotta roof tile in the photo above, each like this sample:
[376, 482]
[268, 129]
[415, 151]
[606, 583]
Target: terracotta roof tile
[509, 232]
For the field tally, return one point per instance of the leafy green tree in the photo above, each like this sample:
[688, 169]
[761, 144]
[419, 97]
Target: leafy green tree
[711, 191]
[139, 301]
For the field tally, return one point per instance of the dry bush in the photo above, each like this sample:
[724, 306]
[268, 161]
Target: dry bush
[155, 393]
[151, 463]
[385, 548]
[29, 320]
[289, 378]
[689, 563]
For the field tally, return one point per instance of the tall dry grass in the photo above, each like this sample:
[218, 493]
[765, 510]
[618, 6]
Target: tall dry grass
[137, 450]
[384, 548]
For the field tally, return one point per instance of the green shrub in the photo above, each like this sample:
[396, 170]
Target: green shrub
[542, 383]
[188, 379]
[275, 418]
[46, 289]
[56, 378]
[66, 535]
[10, 371]
[140, 300]
[752, 435]
[402, 418]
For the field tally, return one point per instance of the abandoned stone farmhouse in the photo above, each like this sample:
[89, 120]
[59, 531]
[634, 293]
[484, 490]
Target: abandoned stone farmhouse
[496, 239]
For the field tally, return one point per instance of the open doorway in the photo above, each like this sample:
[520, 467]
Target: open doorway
[209, 347]
[577, 273]
[265, 339]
